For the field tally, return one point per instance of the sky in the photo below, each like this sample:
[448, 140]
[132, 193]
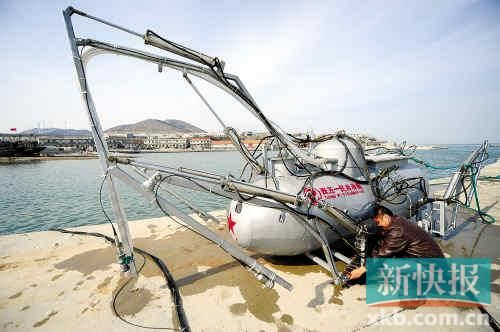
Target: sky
[421, 71]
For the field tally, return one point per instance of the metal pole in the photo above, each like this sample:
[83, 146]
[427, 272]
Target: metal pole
[116, 26]
[326, 213]
[205, 215]
[211, 78]
[201, 229]
[101, 146]
[204, 100]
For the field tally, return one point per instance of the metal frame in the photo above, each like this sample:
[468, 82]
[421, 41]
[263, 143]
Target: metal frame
[210, 69]
[224, 186]
[444, 225]
[124, 242]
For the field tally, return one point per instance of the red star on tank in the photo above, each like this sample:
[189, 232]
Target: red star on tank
[230, 224]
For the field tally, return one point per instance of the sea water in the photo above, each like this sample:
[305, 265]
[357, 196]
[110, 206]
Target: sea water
[65, 193]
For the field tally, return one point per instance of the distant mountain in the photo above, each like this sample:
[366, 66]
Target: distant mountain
[56, 132]
[169, 126]
[182, 125]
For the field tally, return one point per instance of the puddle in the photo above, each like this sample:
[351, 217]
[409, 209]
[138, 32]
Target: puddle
[336, 297]
[286, 318]
[298, 265]
[124, 303]
[260, 302]
[184, 252]
[238, 309]
[89, 261]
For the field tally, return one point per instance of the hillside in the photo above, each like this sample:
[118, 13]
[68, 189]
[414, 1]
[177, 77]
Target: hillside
[56, 132]
[168, 126]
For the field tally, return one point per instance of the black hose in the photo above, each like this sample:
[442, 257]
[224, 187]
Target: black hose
[174, 290]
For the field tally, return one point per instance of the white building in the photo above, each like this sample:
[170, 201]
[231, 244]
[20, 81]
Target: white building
[166, 142]
[200, 143]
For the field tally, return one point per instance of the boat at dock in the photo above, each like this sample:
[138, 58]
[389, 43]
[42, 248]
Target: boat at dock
[20, 148]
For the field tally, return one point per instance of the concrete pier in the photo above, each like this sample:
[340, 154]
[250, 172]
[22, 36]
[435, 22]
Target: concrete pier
[60, 282]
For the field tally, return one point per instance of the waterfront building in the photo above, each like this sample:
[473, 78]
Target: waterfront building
[201, 143]
[82, 143]
[126, 141]
[155, 142]
[222, 145]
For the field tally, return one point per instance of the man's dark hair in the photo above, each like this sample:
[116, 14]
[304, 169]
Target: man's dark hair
[383, 210]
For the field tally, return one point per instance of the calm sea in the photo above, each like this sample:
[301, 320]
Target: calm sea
[38, 196]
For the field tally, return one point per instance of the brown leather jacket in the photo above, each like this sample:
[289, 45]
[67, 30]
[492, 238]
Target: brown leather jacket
[405, 239]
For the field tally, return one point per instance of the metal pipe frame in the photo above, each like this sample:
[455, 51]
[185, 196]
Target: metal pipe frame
[125, 240]
[453, 191]
[204, 215]
[201, 229]
[477, 154]
[316, 231]
[164, 174]
[227, 187]
[201, 72]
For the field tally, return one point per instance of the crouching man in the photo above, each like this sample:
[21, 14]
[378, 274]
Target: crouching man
[400, 238]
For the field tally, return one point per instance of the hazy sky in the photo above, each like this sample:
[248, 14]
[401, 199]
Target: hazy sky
[424, 71]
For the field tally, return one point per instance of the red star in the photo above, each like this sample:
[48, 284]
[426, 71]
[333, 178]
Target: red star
[230, 223]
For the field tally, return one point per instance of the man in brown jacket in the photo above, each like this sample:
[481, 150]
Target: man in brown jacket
[400, 239]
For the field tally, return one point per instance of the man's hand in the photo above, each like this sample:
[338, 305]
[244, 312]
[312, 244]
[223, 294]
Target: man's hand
[356, 273]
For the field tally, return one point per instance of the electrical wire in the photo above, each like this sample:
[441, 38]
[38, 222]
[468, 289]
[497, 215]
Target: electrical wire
[166, 273]
[467, 182]
[102, 205]
[119, 291]
[253, 155]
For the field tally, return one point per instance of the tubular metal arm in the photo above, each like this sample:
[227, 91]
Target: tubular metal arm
[206, 72]
[209, 69]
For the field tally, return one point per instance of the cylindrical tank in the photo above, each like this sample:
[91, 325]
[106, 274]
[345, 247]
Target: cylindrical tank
[336, 149]
[279, 232]
[267, 230]
[276, 232]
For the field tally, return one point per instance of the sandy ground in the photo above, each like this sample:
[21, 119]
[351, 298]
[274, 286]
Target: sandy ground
[59, 282]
